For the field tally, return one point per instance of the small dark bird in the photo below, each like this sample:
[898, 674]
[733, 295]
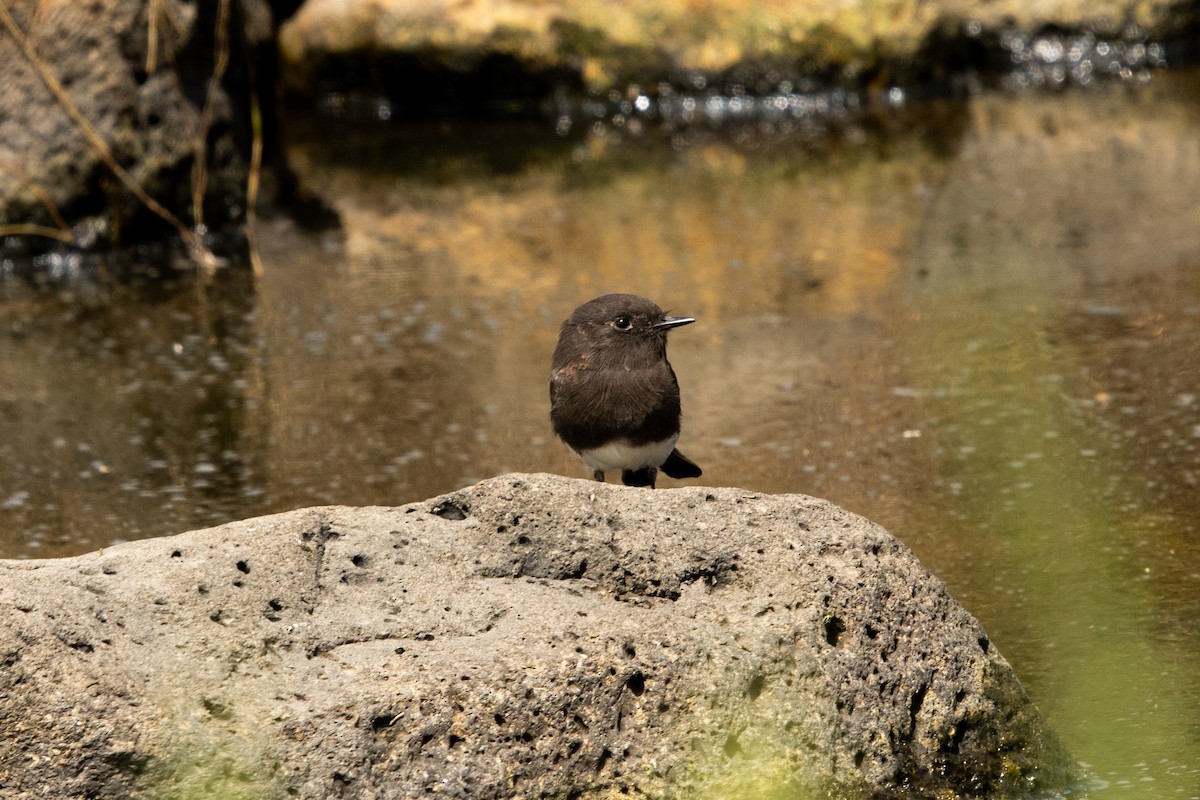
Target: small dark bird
[613, 395]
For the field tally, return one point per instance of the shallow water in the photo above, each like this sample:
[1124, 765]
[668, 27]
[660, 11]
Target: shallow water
[977, 324]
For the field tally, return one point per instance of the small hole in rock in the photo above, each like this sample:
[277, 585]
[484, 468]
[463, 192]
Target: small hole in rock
[636, 683]
[756, 686]
[453, 510]
[834, 628]
[243, 567]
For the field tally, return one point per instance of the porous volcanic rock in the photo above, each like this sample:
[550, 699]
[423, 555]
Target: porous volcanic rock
[529, 636]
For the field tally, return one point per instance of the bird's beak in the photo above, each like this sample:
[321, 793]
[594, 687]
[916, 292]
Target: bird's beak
[673, 322]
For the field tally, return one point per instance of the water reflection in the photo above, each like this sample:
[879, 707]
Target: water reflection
[127, 411]
[984, 334]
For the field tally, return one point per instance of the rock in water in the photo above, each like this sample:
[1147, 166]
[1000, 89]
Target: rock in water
[528, 636]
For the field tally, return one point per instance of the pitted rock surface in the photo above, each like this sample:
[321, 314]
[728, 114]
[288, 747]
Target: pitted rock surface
[529, 636]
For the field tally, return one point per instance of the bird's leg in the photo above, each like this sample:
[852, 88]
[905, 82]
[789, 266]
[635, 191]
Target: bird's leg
[598, 475]
[644, 477]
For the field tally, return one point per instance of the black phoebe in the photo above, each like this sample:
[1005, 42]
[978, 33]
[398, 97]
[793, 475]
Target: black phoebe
[613, 395]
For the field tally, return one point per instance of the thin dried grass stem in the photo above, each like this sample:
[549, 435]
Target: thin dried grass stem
[200, 144]
[38, 230]
[252, 183]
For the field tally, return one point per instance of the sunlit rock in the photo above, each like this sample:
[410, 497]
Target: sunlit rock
[528, 636]
[611, 42]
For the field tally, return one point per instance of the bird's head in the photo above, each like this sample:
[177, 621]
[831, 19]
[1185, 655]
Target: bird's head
[616, 329]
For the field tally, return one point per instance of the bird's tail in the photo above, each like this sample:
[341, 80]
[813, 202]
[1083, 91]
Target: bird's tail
[678, 465]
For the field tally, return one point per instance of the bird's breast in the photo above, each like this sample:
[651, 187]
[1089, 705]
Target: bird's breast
[623, 454]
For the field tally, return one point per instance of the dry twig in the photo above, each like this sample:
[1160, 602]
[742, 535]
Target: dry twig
[63, 232]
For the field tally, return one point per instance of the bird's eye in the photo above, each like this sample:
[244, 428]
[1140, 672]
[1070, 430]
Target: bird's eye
[622, 323]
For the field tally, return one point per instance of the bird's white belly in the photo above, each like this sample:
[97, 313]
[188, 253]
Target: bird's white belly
[620, 454]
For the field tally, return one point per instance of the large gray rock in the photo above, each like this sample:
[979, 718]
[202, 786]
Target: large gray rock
[528, 636]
